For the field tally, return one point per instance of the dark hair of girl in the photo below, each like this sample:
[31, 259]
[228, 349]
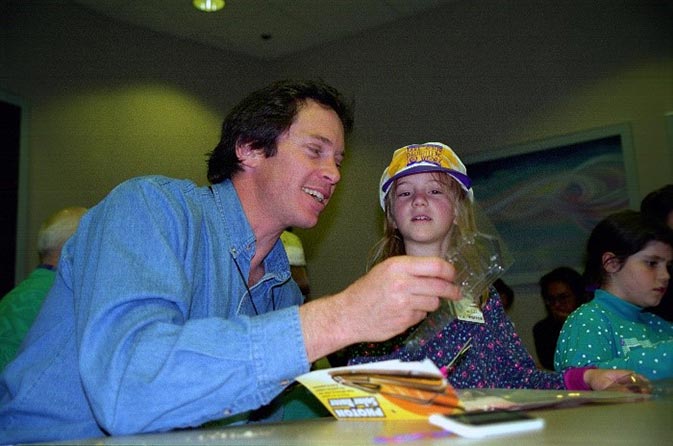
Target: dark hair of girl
[622, 234]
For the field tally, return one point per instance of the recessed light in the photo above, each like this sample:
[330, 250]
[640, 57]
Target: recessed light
[208, 5]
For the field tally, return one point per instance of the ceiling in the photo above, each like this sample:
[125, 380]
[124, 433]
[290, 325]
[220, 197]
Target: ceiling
[265, 29]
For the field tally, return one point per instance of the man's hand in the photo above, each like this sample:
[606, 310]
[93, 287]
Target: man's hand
[393, 296]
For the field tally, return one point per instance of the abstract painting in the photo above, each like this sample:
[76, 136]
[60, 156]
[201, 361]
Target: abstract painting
[545, 197]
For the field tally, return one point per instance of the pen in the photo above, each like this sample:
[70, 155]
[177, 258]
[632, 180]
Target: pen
[447, 369]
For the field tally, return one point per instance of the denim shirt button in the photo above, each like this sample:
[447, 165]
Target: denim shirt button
[227, 412]
[284, 382]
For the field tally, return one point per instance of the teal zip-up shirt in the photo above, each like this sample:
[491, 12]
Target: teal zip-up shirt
[149, 326]
[609, 332]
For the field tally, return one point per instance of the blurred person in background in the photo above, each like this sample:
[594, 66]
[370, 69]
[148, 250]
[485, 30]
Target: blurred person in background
[506, 294]
[295, 255]
[562, 291]
[20, 306]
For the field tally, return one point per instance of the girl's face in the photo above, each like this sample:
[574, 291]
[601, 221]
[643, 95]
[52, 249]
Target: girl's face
[423, 212]
[644, 276]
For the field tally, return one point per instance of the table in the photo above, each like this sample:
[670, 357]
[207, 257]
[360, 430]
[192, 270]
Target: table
[637, 423]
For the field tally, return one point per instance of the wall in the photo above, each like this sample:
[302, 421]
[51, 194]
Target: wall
[109, 101]
[485, 75]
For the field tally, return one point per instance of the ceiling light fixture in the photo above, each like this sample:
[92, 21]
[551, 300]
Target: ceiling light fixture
[208, 5]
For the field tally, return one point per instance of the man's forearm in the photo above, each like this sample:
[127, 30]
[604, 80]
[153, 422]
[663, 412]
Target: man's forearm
[324, 328]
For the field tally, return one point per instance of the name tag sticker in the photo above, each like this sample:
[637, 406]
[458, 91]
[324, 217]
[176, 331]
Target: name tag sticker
[467, 310]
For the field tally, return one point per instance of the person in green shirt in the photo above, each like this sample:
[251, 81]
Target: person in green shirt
[629, 257]
[19, 307]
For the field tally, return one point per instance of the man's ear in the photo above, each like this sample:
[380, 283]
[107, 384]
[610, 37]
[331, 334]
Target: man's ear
[248, 155]
[611, 263]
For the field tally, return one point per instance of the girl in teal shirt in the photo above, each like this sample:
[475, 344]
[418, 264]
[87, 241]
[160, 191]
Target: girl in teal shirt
[630, 259]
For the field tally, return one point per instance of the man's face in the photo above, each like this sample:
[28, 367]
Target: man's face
[299, 180]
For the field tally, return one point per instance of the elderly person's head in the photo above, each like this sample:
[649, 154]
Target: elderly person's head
[55, 231]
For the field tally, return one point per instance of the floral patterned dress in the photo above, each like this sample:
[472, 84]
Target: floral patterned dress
[496, 358]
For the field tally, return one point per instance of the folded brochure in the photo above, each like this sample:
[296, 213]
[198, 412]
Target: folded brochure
[398, 390]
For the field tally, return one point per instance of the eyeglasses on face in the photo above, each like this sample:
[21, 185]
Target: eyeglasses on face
[558, 298]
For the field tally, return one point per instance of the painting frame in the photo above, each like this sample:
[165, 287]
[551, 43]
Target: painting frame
[578, 178]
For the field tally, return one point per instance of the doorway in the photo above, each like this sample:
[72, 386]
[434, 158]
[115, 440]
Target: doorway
[11, 114]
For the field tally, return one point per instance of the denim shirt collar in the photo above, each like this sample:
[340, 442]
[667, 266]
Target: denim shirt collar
[241, 239]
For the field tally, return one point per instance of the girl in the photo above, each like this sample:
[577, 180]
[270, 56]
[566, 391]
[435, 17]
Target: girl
[629, 258]
[427, 198]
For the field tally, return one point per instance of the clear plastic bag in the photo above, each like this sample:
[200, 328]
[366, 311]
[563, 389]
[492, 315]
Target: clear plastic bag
[479, 260]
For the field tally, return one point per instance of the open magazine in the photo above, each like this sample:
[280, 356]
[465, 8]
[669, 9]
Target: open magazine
[414, 390]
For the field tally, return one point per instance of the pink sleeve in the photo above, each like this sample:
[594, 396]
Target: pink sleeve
[574, 378]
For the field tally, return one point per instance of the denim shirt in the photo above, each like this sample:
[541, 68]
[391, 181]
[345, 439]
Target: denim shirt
[149, 325]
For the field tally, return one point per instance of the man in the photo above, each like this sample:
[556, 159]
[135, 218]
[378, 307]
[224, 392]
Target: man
[20, 306]
[175, 306]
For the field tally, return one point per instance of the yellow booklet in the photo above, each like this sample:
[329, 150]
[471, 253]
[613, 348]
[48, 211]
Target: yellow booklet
[397, 390]
[383, 390]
